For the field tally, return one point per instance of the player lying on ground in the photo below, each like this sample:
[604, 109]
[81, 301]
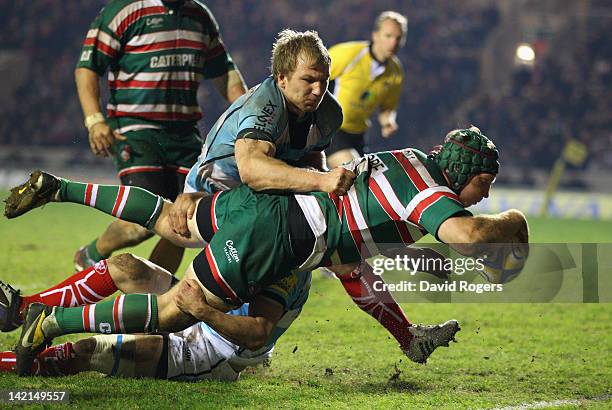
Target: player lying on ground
[211, 355]
[244, 337]
[397, 196]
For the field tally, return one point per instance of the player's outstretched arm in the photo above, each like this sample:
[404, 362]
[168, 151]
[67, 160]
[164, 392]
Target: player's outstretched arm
[261, 171]
[464, 231]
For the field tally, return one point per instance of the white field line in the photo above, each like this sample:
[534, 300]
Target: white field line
[555, 403]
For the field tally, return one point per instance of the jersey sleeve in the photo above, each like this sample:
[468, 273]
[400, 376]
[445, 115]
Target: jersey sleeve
[280, 291]
[217, 60]
[433, 206]
[102, 44]
[261, 115]
[393, 94]
[255, 134]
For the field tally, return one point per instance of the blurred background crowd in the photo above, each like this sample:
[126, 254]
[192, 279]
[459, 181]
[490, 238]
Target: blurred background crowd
[459, 60]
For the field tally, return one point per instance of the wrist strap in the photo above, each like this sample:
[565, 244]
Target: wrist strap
[93, 119]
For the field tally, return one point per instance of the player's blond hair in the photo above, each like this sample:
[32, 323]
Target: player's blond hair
[291, 45]
[399, 18]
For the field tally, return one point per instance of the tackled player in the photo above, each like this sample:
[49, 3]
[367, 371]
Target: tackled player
[398, 196]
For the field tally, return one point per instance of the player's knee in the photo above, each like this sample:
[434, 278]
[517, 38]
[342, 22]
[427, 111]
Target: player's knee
[128, 269]
[85, 348]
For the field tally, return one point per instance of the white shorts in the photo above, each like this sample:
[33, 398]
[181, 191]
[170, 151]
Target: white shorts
[197, 353]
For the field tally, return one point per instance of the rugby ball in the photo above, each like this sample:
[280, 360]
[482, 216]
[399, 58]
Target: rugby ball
[504, 262]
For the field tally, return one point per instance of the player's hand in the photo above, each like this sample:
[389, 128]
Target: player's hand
[101, 138]
[338, 181]
[183, 209]
[522, 233]
[190, 299]
[388, 129]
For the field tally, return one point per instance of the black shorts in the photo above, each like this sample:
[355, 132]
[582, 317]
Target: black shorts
[344, 140]
[167, 183]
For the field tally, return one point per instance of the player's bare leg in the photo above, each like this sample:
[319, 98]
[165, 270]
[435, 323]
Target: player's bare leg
[133, 274]
[126, 272]
[139, 355]
[167, 255]
[118, 235]
[134, 313]
[112, 355]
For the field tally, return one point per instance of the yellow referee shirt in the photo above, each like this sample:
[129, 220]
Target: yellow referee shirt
[363, 85]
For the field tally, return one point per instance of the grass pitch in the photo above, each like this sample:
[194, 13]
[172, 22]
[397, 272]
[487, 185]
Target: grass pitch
[335, 355]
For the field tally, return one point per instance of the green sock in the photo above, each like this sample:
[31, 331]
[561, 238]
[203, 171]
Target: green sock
[129, 203]
[133, 313]
[93, 253]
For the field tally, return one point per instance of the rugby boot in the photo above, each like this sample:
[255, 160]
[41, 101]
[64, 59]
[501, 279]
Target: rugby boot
[426, 339]
[36, 191]
[82, 260]
[33, 339]
[10, 300]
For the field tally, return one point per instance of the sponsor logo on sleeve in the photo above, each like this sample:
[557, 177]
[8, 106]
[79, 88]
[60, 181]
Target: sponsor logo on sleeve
[266, 116]
[86, 55]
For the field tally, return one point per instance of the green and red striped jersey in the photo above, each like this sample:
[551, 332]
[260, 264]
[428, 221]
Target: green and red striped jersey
[156, 55]
[397, 197]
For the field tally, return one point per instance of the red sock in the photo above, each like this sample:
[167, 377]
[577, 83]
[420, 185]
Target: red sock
[7, 361]
[379, 304]
[83, 288]
[56, 361]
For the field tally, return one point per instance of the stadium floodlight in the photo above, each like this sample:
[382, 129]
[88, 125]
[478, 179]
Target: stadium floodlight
[525, 53]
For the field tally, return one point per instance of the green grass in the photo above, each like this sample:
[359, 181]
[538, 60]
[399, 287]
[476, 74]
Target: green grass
[507, 353]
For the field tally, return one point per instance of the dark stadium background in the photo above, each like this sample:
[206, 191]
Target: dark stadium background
[459, 60]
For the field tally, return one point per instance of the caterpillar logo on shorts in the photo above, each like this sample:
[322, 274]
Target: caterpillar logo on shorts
[230, 251]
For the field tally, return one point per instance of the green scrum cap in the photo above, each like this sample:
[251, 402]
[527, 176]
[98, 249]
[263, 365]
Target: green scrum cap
[466, 153]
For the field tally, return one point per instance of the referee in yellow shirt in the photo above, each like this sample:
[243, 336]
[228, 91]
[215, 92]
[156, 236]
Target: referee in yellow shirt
[365, 77]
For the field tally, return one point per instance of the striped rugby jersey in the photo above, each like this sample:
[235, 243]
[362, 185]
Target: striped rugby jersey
[156, 56]
[397, 197]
